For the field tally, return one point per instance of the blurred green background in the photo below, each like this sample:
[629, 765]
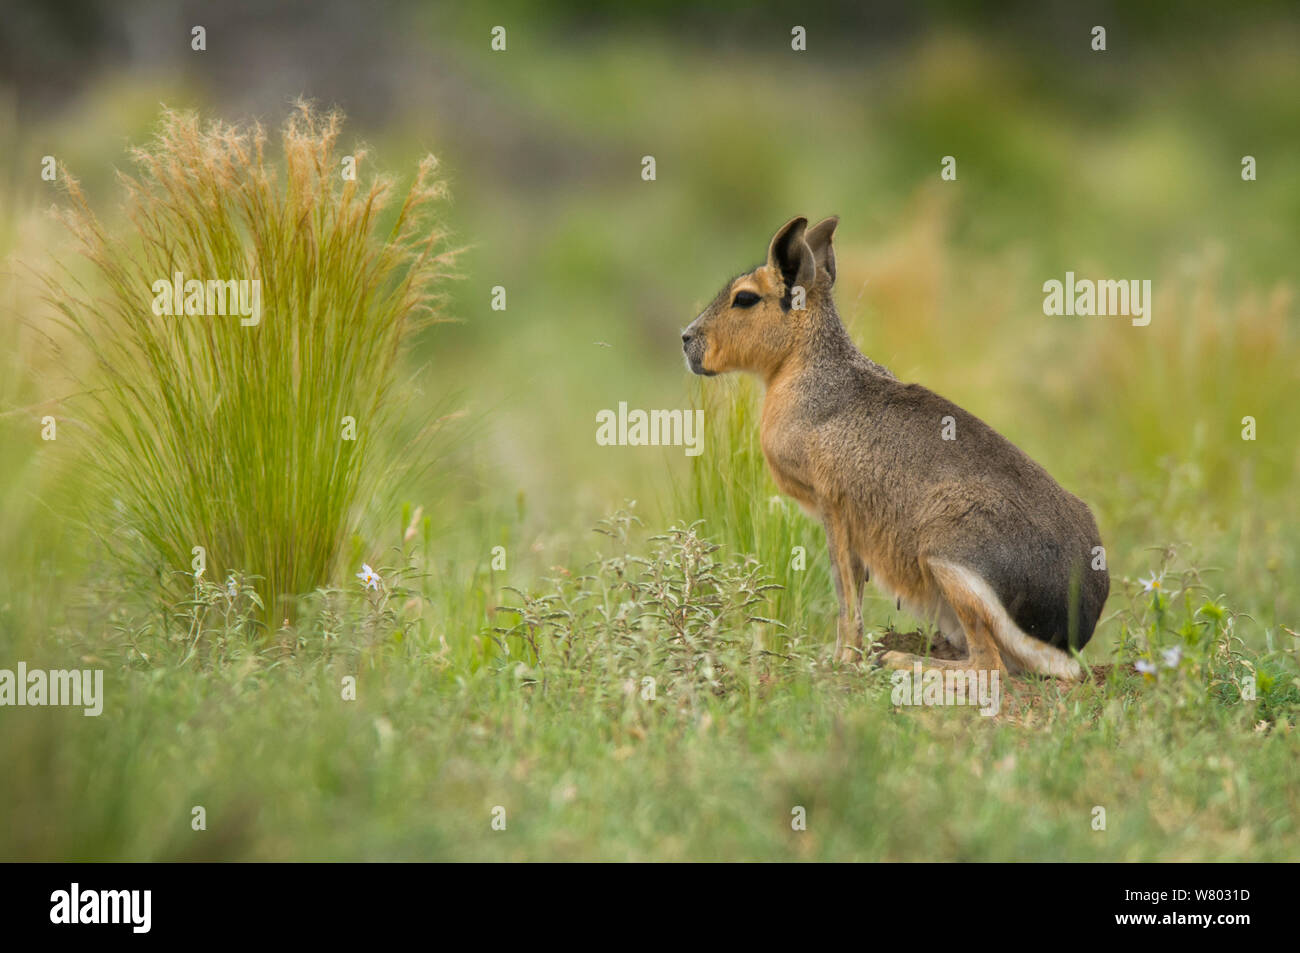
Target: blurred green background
[1123, 164]
[1117, 164]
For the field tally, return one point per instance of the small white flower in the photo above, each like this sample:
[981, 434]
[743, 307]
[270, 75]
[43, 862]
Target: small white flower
[1173, 656]
[1145, 667]
[1152, 584]
[369, 578]
[232, 589]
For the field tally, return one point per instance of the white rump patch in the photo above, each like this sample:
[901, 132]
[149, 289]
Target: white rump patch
[1020, 652]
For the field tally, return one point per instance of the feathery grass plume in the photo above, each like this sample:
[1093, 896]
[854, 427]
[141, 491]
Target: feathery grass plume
[231, 437]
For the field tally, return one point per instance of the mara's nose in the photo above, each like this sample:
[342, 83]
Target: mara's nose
[686, 337]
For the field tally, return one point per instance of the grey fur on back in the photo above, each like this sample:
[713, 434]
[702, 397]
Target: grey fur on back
[978, 500]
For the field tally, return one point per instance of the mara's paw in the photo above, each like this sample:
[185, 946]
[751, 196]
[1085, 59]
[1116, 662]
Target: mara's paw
[892, 658]
[928, 645]
[906, 660]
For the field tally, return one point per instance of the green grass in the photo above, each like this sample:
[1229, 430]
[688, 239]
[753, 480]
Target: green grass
[740, 506]
[560, 733]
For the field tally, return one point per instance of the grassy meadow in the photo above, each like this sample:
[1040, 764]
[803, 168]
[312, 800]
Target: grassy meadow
[528, 581]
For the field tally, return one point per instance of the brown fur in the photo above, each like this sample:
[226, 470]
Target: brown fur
[931, 520]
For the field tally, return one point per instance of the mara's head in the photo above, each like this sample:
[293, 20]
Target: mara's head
[759, 317]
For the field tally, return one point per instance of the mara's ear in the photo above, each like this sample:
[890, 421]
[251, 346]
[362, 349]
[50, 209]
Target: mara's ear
[790, 256]
[819, 240]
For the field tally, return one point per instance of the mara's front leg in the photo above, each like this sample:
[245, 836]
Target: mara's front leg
[850, 576]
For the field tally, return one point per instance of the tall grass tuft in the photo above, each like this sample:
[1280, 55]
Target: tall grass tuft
[209, 433]
[731, 491]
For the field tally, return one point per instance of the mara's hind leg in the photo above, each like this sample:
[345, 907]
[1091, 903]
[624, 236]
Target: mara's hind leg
[979, 623]
[850, 576]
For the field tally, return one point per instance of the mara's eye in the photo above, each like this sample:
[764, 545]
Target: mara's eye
[745, 299]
